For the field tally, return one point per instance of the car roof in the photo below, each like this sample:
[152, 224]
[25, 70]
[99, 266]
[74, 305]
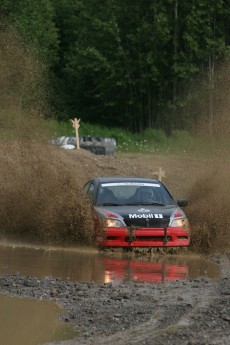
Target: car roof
[125, 179]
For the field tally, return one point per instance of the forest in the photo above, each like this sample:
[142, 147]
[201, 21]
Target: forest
[134, 64]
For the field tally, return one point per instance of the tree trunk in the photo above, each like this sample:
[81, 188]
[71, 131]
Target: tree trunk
[175, 50]
[211, 92]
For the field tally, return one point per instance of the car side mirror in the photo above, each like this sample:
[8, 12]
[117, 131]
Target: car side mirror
[182, 202]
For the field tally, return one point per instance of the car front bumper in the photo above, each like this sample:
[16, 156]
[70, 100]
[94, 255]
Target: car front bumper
[143, 237]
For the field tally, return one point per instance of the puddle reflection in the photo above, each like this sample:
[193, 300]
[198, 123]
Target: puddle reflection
[127, 270]
[91, 266]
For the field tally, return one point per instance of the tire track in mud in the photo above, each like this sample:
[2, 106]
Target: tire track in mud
[154, 329]
[197, 315]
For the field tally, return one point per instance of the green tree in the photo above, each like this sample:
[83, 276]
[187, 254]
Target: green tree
[205, 45]
[114, 61]
[130, 63]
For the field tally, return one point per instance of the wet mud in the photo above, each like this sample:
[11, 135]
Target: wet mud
[192, 311]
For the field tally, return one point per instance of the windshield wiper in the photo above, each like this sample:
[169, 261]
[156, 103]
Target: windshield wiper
[152, 203]
[144, 203]
[108, 204]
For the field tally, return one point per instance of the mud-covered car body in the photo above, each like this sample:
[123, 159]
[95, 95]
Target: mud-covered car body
[137, 212]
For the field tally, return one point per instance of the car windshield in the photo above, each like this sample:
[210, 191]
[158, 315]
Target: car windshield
[133, 193]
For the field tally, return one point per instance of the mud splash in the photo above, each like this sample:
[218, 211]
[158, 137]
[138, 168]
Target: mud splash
[41, 195]
[209, 212]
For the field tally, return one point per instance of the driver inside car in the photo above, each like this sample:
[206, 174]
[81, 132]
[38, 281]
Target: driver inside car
[107, 197]
[145, 194]
[142, 194]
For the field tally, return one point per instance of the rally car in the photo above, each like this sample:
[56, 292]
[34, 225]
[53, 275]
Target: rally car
[137, 212]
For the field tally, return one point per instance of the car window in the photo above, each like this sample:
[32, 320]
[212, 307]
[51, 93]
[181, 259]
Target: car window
[86, 187]
[90, 191]
[126, 193]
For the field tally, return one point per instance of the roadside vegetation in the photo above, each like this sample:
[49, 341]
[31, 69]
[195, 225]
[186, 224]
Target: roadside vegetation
[164, 67]
[150, 141]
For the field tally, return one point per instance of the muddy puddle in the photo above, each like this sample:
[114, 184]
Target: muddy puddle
[88, 265]
[31, 322]
[81, 265]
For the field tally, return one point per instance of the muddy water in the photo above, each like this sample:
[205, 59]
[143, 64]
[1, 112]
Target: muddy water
[31, 322]
[85, 265]
[88, 265]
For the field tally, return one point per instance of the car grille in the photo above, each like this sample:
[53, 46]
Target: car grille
[147, 223]
[153, 238]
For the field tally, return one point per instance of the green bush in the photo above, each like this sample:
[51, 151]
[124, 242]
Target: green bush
[154, 135]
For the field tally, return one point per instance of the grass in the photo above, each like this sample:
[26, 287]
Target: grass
[151, 141]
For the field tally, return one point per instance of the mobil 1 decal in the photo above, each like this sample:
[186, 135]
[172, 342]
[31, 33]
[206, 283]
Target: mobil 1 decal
[144, 215]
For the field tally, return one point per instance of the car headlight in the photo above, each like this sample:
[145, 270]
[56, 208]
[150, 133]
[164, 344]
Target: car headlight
[180, 223]
[113, 223]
